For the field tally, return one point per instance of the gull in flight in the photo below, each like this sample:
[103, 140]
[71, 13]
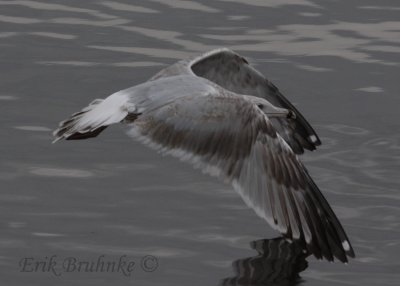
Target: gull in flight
[220, 114]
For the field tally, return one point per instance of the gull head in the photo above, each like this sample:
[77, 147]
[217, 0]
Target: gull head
[271, 110]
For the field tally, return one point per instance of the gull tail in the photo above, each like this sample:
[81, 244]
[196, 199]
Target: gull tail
[94, 118]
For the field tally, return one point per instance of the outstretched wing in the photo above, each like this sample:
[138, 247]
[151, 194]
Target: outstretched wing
[231, 138]
[125, 105]
[233, 72]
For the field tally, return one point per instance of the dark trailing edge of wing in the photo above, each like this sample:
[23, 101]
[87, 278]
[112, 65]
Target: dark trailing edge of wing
[86, 135]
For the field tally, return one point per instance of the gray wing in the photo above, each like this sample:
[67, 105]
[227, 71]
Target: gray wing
[232, 72]
[231, 138]
[125, 105]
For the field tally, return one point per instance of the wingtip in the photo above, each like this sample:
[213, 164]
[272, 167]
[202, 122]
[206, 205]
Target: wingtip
[58, 138]
[56, 134]
[314, 140]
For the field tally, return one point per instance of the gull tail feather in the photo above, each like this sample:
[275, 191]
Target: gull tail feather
[93, 119]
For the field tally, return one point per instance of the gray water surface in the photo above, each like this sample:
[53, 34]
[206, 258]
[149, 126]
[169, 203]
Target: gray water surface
[338, 61]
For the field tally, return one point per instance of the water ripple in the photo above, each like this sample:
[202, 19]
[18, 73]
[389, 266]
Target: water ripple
[139, 64]
[54, 35]
[8, 97]
[127, 7]
[60, 172]
[152, 52]
[289, 40]
[272, 3]
[33, 128]
[56, 7]
[346, 129]
[373, 89]
[19, 20]
[187, 5]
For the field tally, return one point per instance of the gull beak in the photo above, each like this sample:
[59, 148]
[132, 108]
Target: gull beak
[282, 113]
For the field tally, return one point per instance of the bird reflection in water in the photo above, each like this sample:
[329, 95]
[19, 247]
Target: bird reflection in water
[278, 262]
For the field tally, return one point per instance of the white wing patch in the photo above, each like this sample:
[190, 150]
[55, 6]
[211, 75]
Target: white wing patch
[346, 245]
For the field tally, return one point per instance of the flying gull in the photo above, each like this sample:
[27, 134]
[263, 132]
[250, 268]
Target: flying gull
[223, 116]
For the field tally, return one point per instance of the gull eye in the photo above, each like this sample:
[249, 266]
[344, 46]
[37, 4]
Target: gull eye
[291, 115]
[261, 106]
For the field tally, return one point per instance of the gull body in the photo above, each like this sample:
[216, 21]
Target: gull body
[218, 113]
